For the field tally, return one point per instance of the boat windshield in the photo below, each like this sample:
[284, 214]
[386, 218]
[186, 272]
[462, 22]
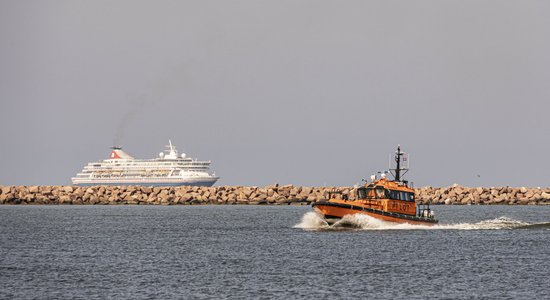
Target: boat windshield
[372, 193]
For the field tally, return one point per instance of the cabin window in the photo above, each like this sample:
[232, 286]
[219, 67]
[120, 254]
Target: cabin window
[379, 193]
[372, 193]
[404, 196]
[362, 193]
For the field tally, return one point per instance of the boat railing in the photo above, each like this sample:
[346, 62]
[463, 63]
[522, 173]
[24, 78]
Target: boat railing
[424, 211]
[407, 183]
[335, 193]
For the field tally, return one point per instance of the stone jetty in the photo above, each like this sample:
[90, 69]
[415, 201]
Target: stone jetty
[273, 194]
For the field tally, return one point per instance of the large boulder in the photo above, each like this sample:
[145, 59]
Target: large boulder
[6, 190]
[523, 190]
[45, 189]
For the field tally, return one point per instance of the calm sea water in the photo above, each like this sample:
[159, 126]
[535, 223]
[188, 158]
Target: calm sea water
[144, 252]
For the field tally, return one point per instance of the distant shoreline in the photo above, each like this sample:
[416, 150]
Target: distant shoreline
[251, 195]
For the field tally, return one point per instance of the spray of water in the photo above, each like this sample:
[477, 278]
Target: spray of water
[312, 221]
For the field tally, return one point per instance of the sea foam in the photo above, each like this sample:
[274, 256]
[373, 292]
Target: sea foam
[312, 221]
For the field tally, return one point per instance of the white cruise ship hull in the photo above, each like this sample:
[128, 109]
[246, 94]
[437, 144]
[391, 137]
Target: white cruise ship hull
[148, 182]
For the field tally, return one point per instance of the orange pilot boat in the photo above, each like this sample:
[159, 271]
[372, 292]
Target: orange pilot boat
[384, 199]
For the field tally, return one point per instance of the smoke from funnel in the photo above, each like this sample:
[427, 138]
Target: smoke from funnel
[177, 78]
[134, 107]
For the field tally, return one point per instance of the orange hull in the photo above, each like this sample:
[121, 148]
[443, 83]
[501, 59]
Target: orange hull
[337, 210]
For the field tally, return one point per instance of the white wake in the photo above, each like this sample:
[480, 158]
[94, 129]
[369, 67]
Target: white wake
[312, 221]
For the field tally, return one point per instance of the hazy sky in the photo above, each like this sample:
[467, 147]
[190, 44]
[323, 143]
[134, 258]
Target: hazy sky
[302, 92]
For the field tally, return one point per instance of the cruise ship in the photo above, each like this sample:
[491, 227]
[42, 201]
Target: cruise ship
[169, 169]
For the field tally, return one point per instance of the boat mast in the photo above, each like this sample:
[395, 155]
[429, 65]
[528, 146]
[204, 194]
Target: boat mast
[400, 168]
[398, 155]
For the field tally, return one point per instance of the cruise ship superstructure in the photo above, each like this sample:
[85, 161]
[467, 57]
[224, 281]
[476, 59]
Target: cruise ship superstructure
[169, 169]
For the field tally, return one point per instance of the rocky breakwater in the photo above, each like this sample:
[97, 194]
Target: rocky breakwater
[273, 194]
[456, 194]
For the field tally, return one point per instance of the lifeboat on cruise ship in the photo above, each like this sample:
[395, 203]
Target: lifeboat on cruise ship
[384, 199]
